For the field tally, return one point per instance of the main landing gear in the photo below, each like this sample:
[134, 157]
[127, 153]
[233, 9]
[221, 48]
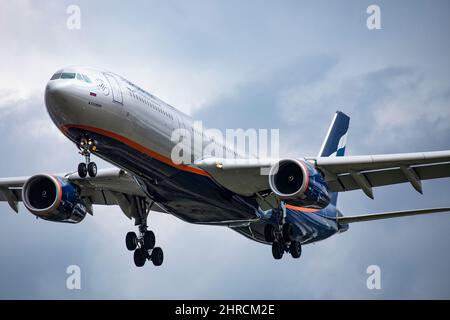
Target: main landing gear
[84, 168]
[143, 244]
[282, 236]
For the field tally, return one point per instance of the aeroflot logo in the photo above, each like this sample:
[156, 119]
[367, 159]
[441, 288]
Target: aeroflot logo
[101, 86]
[199, 143]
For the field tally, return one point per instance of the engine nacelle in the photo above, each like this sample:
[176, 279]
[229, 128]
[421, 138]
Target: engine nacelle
[53, 198]
[298, 183]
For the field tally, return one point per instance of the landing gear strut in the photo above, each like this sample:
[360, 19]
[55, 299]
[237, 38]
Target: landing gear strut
[143, 244]
[84, 168]
[282, 236]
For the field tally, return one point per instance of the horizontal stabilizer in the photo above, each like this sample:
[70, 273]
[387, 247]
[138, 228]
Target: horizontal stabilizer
[388, 215]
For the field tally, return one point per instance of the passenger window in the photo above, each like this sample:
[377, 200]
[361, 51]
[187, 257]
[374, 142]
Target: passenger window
[55, 76]
[68, 75]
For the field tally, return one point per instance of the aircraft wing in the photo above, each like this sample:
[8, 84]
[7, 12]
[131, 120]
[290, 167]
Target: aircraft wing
[364, 172]
[244, 176]
[388, 215]
[110, 187]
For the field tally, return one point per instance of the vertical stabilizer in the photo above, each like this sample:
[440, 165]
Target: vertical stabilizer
[336, 141]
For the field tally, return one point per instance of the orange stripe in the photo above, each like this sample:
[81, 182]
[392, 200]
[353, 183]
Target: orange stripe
[304, 209]
[138, 147]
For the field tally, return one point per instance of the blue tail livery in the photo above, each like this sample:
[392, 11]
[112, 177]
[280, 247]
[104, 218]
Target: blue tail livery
[335, 141]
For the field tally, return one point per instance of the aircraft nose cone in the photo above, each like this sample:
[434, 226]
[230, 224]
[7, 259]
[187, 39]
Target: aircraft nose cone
[56, 90]
[57, 100]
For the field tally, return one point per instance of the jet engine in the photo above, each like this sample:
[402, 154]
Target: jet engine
[298, 183]
[53, 198]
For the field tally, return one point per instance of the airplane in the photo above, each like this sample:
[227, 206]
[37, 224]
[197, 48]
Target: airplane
[105, 115]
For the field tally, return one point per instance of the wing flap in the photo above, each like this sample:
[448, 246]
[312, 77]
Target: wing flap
[366, 172]
[378, 178]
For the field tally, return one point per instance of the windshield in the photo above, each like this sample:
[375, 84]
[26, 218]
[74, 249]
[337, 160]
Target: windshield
[56, 76]
[68, 75]
[71, 75]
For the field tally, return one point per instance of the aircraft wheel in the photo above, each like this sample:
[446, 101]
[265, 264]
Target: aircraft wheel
[277, 250]
[295, 249]
[149, 240]
[139, 258]
[82, 170]
[269, 233]
[92, 169]
[157, 256]
[131, 241]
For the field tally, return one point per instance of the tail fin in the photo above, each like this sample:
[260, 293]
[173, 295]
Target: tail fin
[336, 141]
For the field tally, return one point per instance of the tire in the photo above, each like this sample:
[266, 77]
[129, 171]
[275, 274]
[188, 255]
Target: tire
[269, 233]
[149, 240]
[157, 256]
[131, 241]
[139, 259]
[295, 249]
[92, 169]
[288, 234]
[82, 170]
[277, 250]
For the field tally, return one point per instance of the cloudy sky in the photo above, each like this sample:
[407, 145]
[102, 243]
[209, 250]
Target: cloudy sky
[235, 64]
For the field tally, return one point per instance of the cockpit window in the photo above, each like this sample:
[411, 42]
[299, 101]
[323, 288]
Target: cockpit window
[68, 75]
[71, 75]
[56, 76]
[86, 78]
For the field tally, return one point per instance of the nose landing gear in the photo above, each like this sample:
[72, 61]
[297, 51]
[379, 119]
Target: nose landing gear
[144, 243]
[84, 168]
